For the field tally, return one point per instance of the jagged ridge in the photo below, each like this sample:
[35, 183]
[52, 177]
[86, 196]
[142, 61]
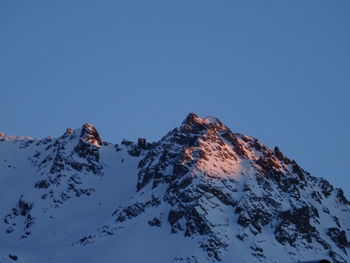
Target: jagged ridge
[218, 190]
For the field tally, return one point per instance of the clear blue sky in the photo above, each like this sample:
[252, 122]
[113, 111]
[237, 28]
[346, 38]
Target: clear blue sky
[276, 70]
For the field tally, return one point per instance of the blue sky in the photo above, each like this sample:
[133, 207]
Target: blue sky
[275, 70]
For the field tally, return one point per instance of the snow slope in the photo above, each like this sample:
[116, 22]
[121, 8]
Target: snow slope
[200, 194]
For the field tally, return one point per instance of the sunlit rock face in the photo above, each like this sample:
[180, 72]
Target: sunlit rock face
[202, 193]
[90, 135]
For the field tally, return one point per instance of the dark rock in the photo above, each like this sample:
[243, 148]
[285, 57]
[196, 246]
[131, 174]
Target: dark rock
[179, 170]
[76, 166]
[339, 237]
[132, 148]
[155, 222]
[9, 230]
[341, 198]
[233, 139]
[298, 170]
[127, 142]
[141, 142]
[42, 184]
[173, 218]
[25, 207]
[300, 219]
[326, 187]
[280, 156]
[316, 196]
[87, 151]
[336, 258]
[13, 257]
[253, 214]
[225, 198]
[135, 210]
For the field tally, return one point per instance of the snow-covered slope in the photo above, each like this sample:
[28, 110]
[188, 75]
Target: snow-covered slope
[200, 194]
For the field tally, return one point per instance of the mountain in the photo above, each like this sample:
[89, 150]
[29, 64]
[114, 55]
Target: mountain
[202, 193]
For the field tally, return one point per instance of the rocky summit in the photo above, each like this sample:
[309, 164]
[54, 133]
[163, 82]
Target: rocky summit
[202, 193]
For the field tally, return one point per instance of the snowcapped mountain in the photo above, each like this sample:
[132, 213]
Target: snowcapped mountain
[200, 194]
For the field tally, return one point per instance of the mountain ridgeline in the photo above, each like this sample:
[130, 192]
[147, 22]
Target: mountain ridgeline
[202, 193]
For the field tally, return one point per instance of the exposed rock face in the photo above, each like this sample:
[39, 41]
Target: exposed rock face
[141, 142]
[226, 194]
[202, 167]
[90, 135]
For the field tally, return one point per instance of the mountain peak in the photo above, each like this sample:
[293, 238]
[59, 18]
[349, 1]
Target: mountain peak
[89, 134]
[192, 118]
[212, 194]
[194, 124]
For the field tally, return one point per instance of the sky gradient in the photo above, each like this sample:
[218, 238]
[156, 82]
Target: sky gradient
[275, 70]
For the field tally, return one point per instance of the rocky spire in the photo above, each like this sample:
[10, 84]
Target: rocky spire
[192, 118]
[89, 134]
